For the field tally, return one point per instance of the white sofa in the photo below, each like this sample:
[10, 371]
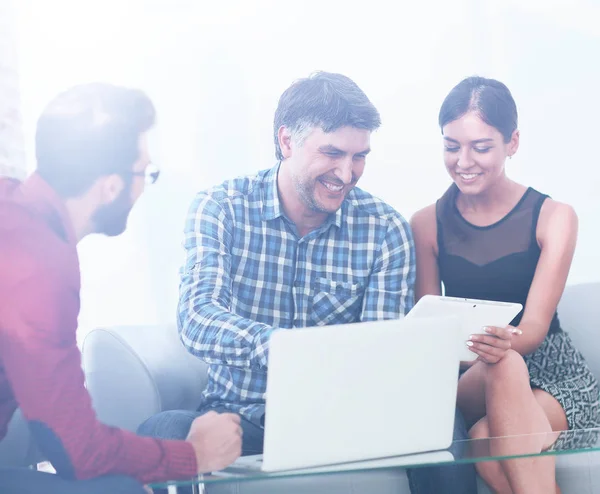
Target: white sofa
[135, 372]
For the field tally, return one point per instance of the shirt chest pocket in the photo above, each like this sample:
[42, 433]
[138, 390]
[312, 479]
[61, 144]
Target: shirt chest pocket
[336, 302]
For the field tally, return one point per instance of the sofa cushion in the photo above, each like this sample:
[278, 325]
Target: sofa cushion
[145, 369]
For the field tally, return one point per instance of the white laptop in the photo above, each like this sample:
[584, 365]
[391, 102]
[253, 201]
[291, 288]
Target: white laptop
[365, 391]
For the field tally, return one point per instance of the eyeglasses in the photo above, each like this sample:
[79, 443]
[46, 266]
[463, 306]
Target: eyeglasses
[150, 174]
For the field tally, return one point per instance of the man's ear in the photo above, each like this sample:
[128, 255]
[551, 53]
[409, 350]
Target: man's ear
[285, 141]
[111, 186]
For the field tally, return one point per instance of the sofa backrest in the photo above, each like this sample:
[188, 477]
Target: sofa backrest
[579, 314]
[135, 372]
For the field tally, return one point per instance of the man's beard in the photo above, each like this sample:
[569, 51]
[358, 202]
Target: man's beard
[306, 190]
[111, 219]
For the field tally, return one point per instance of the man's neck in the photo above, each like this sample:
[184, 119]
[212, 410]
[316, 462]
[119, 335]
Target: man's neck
[80, 213]
[308, 224]
[305, 219]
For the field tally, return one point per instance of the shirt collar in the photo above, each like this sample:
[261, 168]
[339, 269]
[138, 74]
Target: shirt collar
[41, 198]
[271, 204]
[337, 219]
[272, 207]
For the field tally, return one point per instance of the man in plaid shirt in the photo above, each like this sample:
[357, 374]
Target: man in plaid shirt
[296, 245]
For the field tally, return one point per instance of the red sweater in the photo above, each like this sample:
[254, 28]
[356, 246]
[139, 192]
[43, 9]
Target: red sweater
[40, 363]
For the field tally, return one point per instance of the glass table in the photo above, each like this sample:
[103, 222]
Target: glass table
[247, 469]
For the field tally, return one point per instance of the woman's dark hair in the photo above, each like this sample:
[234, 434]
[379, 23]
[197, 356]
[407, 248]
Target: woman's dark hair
[489, 98]
[90, 131]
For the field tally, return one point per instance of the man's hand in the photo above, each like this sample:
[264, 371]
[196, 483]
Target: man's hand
[217, 440]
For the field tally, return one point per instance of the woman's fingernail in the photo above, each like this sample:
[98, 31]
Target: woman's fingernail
[517, 331]
[469, 343]
[487, 329]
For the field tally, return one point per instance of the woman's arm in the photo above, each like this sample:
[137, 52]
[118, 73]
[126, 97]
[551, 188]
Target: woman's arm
[557, 236]
[424, 228]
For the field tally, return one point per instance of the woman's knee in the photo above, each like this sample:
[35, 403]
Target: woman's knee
[511, 367]
[172, 424]
[480, 430]
[490, 471]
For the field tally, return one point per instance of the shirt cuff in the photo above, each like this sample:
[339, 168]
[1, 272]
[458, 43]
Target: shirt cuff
[180, 460]
[260, 353]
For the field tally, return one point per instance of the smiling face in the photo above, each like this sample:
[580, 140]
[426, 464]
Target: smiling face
[324, 167]
[475, 153]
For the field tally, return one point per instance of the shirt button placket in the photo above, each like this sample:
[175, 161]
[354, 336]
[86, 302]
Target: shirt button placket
[298, 281]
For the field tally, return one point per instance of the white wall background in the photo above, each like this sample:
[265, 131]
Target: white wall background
[215, 71]
[12, 146]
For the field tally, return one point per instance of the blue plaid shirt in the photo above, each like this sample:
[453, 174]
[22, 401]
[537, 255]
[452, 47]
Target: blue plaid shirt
[248, 273]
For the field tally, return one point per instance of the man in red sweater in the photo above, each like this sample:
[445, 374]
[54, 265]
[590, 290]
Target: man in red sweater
[92, 165]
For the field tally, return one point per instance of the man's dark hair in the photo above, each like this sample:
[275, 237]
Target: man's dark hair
[90, 131]
[325, 100]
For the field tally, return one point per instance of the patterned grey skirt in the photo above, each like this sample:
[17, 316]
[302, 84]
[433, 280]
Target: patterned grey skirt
[558, 368]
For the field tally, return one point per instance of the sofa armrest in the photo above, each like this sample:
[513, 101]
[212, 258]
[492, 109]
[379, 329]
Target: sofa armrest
[134, 372]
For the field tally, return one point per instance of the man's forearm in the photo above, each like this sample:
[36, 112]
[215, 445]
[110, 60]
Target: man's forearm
[48, 383]
[220, 337]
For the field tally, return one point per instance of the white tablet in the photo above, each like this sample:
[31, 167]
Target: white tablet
[473, 314]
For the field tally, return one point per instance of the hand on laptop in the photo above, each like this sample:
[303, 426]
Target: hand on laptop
[492, 347]
[217, 440]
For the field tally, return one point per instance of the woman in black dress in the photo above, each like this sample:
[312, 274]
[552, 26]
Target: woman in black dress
[491, 238]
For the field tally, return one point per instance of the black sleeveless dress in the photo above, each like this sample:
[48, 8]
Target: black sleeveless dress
[498, 262]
